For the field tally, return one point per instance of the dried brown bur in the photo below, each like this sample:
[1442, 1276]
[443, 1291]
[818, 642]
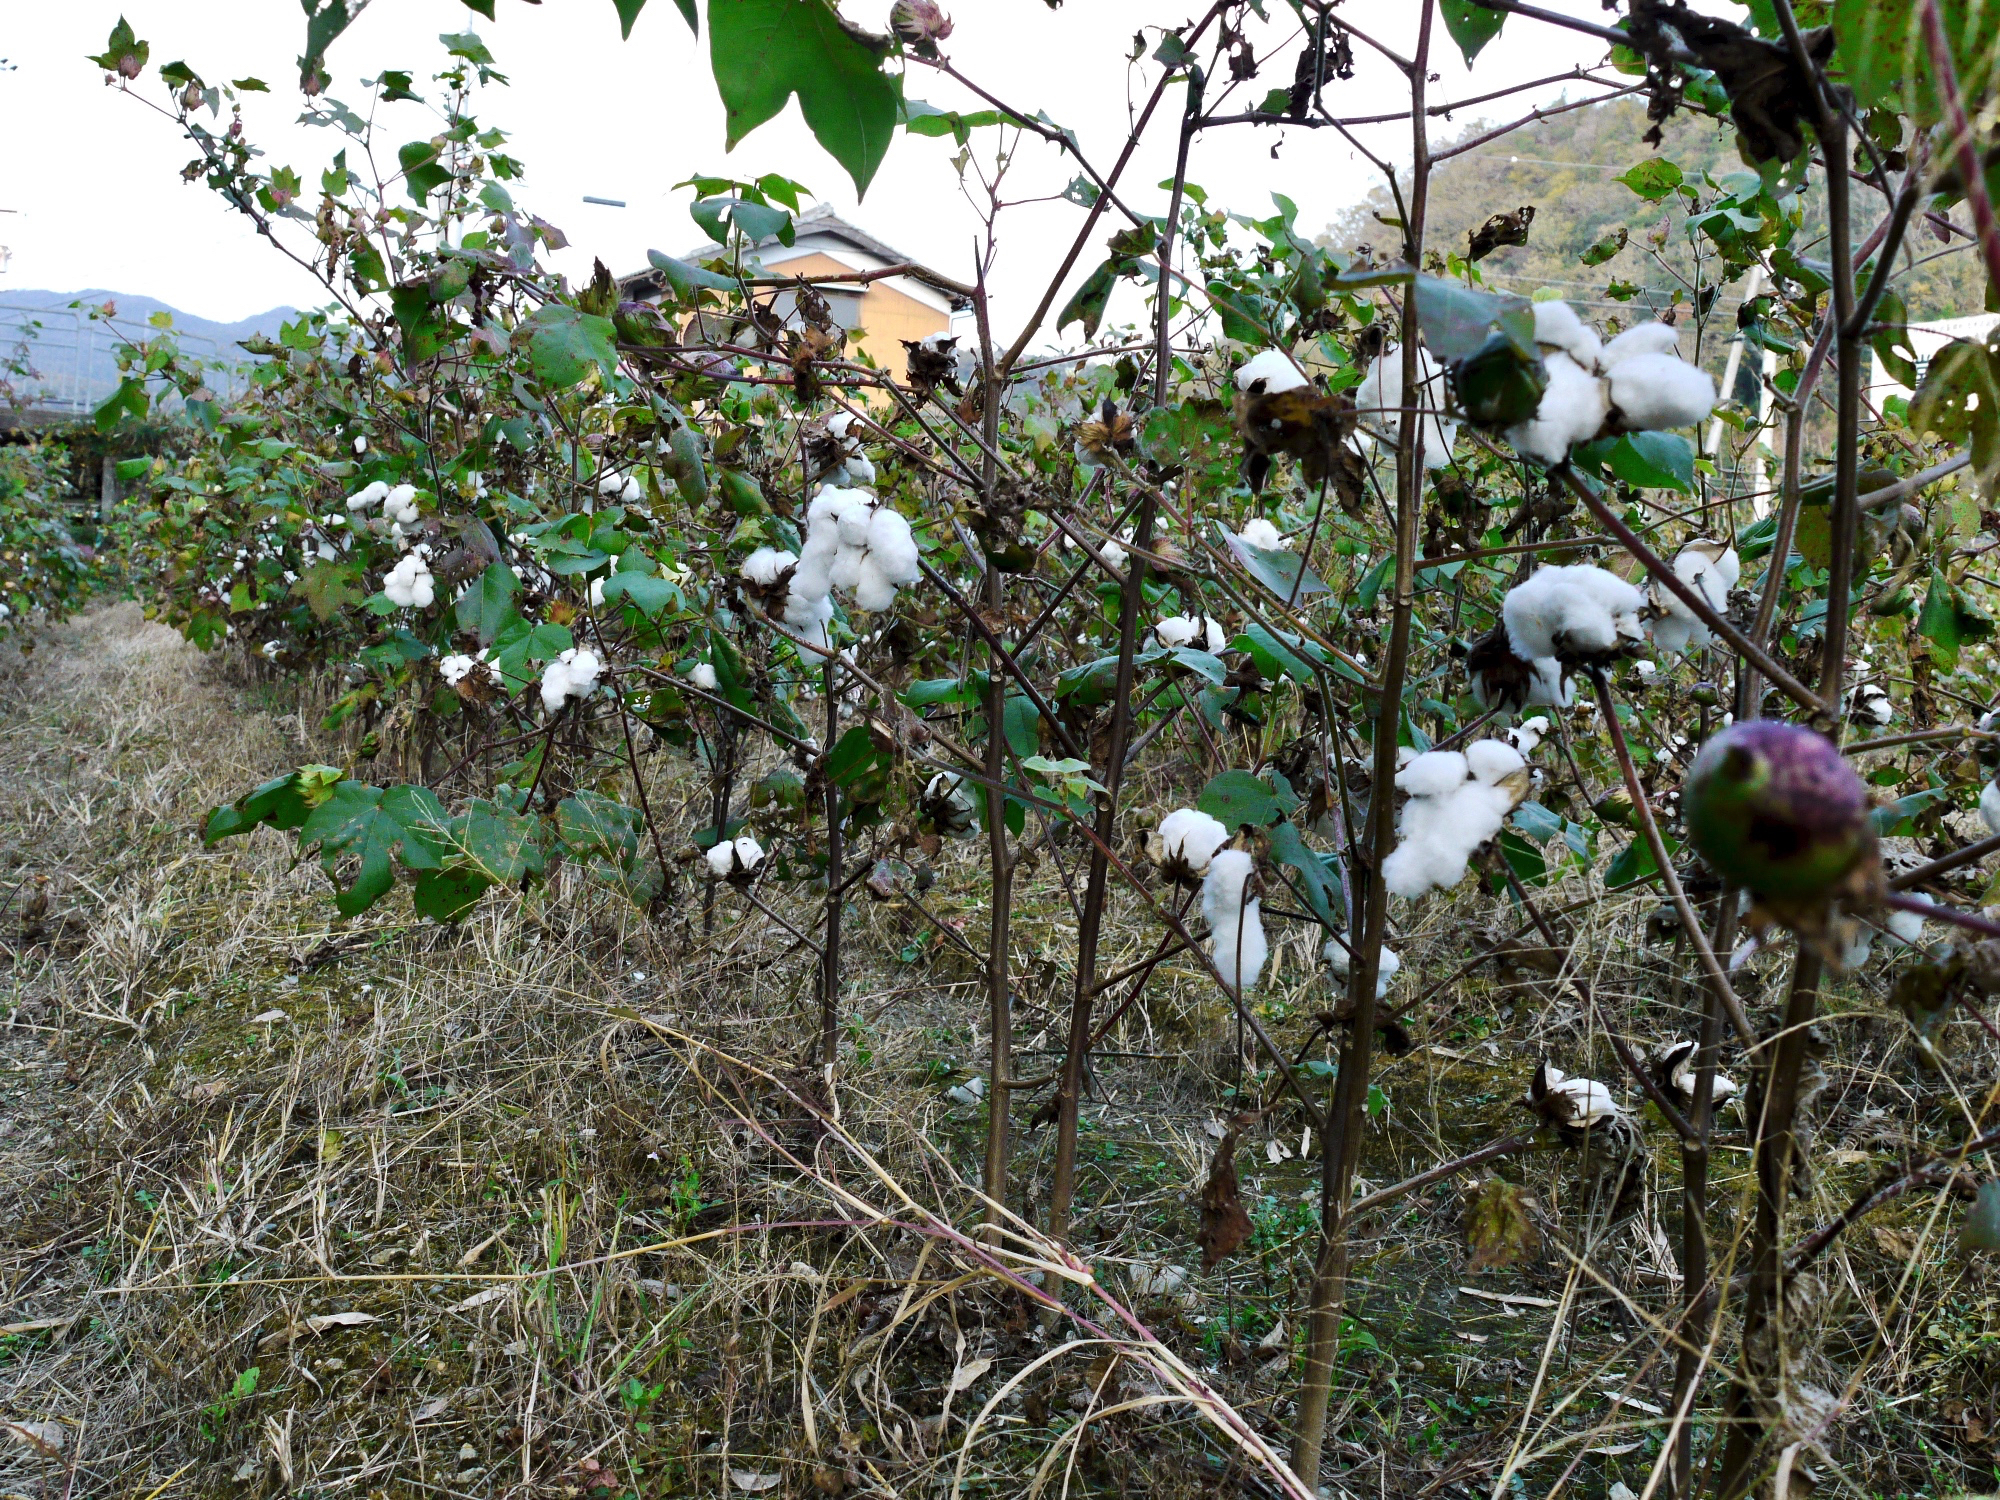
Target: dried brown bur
[1768, 93]
[1314, 428]
[931, 363]
[1110, 432]
[1500, 231]
[1499, 1227]
[1224, 1224]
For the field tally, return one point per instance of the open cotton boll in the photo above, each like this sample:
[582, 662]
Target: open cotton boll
[361, 444]
[1341, 964]
[858, 468]
[1268, 373]
[610, 484]
[1558, 327]
[1575, 613]
[1989, 807]
[1653, 392]
[767, 565]
[1260, 533]
[409, 584]
[1641, 339]
[1906, 926]
[749, 853]
[1176, 630]
[455, 669]
[1435, 773]
[597, 593]
[1380, 398]
[1189, 838]
[1572, 410]
[1237, 927]
[853, 517]
[846, 571]
[633, 492]
[873, 588]
[368, 495]
[1493, 761]
[571, 675]
[721, 858]
[703, 676]
[1571, 1101]
[1711, 572]
[893, 545]
[1527, 734]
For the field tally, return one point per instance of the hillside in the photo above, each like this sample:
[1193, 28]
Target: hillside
[1567, 167]
[72, 353]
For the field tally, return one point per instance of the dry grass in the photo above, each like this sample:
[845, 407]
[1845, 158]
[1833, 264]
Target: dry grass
[538, 1205]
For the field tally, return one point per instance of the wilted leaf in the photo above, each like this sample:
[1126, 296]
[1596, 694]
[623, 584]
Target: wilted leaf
[1224, 1224]
[968, 1374]
[1498, 1228]
[752, 1482]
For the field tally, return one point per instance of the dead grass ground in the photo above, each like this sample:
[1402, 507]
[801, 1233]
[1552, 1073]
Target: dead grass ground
[531, 1207]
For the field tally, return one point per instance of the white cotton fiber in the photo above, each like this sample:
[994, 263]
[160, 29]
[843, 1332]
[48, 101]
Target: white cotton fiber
[721, 858]
[1435, 773]
[1258, 532]
[1711, 573]
[1639, 340]
[1189, 838]
[1492, 761]
[1340, 963]
[873, 587]
[1572, 410]
[1527, 734]
[749, 853]
[893, 546]
[1989, 807]
[1268, 373]
[1653, 392]
[853, 522]
[1558, 326]
[1237, 942]
[372, 494]
[571, 675]
[1573, 613]
[767, 565]
[1380, 398]
[409, 584]
[703, 676]
[856, 544]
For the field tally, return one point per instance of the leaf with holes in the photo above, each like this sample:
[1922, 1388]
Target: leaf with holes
[1498, 1227]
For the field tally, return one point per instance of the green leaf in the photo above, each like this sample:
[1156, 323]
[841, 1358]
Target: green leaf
[565, 345]
[1537, 822]
[1605, 248]
[124, 53]
[1653, 178]
[329, 588]
[1635, 863]
[1279, 655]
[1455, 319]
[447, 895]
[1283, 573]
[764, 51]
[1087, 303]
[854, 755]
[1893, 820]
[595, 827]
[283, 802]
[128, 400]
[1959, 401]
[1471, 25]
[1880, 46]
[423, 172]
[1236, 798]
[628, 12]
[1892, 342]
[370, 825]
[1653, 461]
[1320, 885]
[1371, 585]
[483, 609]
[685, 278]
[647, 592]
[1524, 859]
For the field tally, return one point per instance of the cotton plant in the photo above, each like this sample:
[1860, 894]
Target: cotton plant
[851, 467]
[1710, 569]
[1236, 925]
[1457, 801]
[1185, 843]
[573, 674]
[856, 544]
[1379, 401]
[1571, 1102]
[1871, 705]
[624, 487]
[1635, 383]
[734, 859]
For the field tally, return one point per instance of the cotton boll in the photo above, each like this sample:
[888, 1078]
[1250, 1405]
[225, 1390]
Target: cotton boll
[1574, 614]
[703, 676]
[846, 571]
[1237, 944]
[1572, 410]
[1258, 532]
[1640, 340]
[360, 444]
[1380, 398]
[610, 484]
[1653, 392]
[1710, 571]
[597, 593]
[748, 852]
[1188, 839]
[1214, 635]
[852, 518]
[1340, 963]
[455, 669]
[1527, 734]
[555, 686]
[1268, 373]
[839, 422]
[1493, 761]
[368, 495]
[873, 589]
[766, 566]
[721, 858]
[1435, 773]
[1989, 807]
[1906, 926]
[893, 545]
[1176, 630]
[409, 584]
[859, 469]
[584, 667]
[633, 492]
[1558, 326]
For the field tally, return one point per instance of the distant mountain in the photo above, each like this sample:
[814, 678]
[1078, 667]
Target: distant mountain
[71, 352]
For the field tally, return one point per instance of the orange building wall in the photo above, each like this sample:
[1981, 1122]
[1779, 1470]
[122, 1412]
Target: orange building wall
[887, 316]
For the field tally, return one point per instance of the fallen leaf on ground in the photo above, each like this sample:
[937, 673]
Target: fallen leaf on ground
[480, 1299]
[967, 1373]
[753, 1482]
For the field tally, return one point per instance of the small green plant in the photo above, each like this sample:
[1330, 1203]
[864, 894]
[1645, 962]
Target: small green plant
[684, 1199]
[216, 1417]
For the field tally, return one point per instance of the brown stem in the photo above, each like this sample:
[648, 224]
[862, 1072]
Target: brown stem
[1350, 1089]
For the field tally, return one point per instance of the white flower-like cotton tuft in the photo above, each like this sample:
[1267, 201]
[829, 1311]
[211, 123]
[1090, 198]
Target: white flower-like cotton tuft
[571, 675]
[362, 499]
[610, 484]
[1457, 803]
[1189, 838]
[1237, 927]
[766, 565]
[1989, 807]
[1653, 392]
[1268, 373]
[703, 676]
[1203, 633]
[1711, 572]
[409, 584]
[1584, 1101]
[399, 506]
[1872, 705]
[360, 444]
[1380, 399]
[749, 853]
[1575, 613]
[1260, 533]
[1641, 339]
[455, 669]
[1341, 964]
[721, 858]
[1572, 410]
[1558, 327]
[1527, 734]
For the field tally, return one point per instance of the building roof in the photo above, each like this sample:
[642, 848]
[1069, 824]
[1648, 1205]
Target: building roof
[818, 228]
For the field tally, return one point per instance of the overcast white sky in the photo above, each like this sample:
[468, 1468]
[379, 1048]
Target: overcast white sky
[94, 177]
